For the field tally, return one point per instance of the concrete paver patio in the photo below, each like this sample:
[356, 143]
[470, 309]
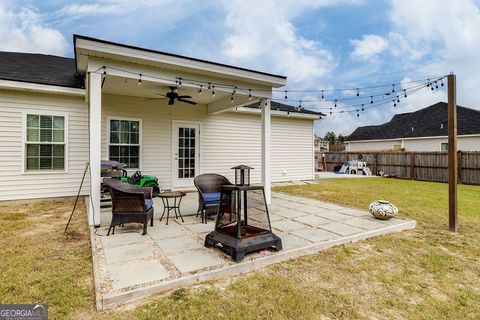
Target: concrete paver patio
[129, 267]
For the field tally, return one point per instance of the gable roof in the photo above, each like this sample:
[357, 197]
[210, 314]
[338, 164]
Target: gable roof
[39, 68]
[77, 37]
[285, 108]
[427, 122]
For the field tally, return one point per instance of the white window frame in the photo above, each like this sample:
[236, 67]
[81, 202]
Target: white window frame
[140, 140]
[442, 143]
[25, 142]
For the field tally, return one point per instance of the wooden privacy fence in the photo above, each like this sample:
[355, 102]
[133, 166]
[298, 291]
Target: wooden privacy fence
[425, 166]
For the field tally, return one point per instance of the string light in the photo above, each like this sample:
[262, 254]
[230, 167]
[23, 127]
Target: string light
[200, 90]
[358, 114]
[376, 99]
[231, 98]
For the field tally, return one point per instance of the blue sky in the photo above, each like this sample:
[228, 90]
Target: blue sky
[317, 44]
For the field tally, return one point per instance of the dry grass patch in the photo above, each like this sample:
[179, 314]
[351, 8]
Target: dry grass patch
[39, 263]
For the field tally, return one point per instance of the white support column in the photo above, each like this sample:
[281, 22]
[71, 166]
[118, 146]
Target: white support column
[95, 133]
[266, 144]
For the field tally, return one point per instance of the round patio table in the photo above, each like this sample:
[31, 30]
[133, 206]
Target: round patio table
[167, 198]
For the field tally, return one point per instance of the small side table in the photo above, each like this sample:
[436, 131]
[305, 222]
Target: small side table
[167, 206]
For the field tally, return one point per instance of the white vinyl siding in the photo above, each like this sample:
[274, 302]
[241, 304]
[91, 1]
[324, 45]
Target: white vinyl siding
[16, 182]
[292, 149]
[226, 139]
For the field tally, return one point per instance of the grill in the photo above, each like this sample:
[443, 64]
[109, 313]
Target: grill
[112, 169]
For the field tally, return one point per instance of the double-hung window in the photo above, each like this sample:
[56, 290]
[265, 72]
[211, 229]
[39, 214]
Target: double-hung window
[124, 142]
[45, 142]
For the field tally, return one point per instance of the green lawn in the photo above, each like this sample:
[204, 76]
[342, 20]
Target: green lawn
[426, 273]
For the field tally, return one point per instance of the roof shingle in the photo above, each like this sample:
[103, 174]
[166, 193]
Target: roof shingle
[39, 68]
[427, 122]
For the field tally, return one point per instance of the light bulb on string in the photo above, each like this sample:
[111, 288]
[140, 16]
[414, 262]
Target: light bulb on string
[358, 92]
[436, 85]
[139, 80]
[358, 114]
[371, 99]
[393, 88]
[398, 99]
[405, 93]
[442, 82]
[249, 94]
[231, 98]
[213, 91]
[179, 82]
[428, 83]
[322, 95]
[209, 86]
[363, 109]
[394, 103]
[335, 103]
[200, 90]
[286, 96]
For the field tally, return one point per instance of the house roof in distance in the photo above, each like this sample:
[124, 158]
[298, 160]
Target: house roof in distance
[39, 68]
[427, 122]
[285, 108]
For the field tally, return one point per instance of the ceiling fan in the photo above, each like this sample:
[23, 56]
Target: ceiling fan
[172, 96]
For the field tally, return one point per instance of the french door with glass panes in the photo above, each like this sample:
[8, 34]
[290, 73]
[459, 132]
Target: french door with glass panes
[186, 153]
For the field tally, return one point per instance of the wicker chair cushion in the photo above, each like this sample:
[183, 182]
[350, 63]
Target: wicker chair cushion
[213, 197]
[148, 204]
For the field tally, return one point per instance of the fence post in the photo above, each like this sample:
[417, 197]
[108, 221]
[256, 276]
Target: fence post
[460, 158]
[412, 166]
[375, 155]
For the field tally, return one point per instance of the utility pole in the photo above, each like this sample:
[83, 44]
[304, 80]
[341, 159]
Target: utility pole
[452, 153]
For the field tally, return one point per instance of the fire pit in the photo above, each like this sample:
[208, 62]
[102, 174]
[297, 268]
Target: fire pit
[235, 233]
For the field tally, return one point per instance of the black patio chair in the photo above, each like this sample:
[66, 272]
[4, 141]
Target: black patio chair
[130, 204]
[209, 186]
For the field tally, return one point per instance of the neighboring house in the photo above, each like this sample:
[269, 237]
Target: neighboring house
[321, 145]
[58, 113]
[422, 130]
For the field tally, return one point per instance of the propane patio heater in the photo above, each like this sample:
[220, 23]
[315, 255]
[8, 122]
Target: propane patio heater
[248, 229]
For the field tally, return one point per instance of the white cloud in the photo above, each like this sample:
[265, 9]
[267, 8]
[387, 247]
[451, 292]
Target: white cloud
[449, 38]
[24, 30]
[370, 46]
[263, 31]
[114, 7]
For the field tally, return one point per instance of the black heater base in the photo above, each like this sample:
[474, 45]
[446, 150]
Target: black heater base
[238, 247]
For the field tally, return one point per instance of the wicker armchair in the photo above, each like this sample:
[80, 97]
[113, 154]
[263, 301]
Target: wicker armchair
[209, 186]
[129, 204]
